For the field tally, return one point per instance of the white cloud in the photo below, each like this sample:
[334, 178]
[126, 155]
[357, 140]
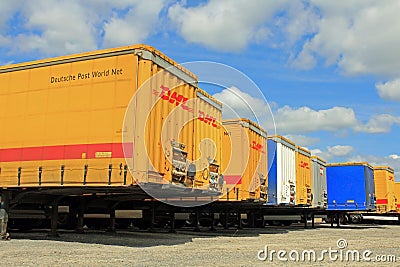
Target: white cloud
[224, 25]
[389, 90]
[332, 152]
[238, 104]
[392, 161]
[339, 151]
[378, 124]
[7, 9]
[304, 60]
[135, 26]
[64, 27]
[305, 119]
[361, 37]
[394, 156]
[302, 140]
[297, 21]
[290, 121]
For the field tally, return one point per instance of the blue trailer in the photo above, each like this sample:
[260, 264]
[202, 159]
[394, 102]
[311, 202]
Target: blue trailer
[350, 187]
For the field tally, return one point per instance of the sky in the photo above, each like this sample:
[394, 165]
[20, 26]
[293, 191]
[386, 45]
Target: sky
[329, 70]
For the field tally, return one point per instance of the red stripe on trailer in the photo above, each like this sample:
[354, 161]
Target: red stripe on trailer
[61, 152]
[382, 201]
[233, 179]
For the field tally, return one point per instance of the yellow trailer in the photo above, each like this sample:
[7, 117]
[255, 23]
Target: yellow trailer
[384, 189]
[244, 161]
[303, 177]
[63, 120]
[397, 195]
[208, 140]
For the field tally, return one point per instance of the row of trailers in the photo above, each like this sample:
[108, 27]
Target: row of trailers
[125, 137]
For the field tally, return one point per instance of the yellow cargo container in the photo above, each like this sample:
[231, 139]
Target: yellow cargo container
[303, 177]
[208, 140]
[63, 120]
[384, 189]
[244, 163]
[397, 195]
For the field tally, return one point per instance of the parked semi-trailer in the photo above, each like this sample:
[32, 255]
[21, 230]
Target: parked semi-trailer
[244, 160]
[281, 171]
[397, 195]
[106, 120]
[385, 198]
[350, 186]
[320, 194]
[303, 177]
[208, 141]
[384, 189]
[63, 120]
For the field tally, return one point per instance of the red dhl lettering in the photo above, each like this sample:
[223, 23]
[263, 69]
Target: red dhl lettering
[257, 146]
[180, 100]
[391, 178]
[304, 165]
[172, 97]
[208, 119]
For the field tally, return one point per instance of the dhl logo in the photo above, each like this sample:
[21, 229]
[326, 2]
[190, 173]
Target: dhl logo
[206, 118]
[391, 178]
[180, 100]
[173, 98]
[257, 146]
[304, 165]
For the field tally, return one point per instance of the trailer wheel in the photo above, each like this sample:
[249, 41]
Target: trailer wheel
[141, 224]
[97, 223]
[222, 220]
[344, 219]
[205, 222]
[123, 223]
[180, 223]
[287, 223]
[355, 218]
[259, 223]
[274, 223]
[24, 225]
[67, 221]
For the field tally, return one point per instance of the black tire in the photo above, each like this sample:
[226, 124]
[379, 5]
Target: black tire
[141, 224]
[97, 224]
[274, 223]
[24, 225]
[123, 223]
[67, 221]
[287, 223]
[180, 223]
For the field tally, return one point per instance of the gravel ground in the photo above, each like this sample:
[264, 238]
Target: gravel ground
[186, 248]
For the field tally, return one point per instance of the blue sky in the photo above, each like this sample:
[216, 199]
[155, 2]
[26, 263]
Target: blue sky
[330, 70]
